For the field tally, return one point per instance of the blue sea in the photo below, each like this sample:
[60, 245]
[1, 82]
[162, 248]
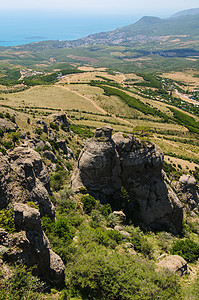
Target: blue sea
[21, 27]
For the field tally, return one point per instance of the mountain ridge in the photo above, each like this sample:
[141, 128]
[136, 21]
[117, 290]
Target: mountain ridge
[149, 27]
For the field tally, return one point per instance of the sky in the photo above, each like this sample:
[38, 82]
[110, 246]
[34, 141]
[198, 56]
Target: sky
[135, 7]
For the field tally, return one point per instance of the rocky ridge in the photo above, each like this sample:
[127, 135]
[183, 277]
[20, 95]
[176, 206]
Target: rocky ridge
[24, 182]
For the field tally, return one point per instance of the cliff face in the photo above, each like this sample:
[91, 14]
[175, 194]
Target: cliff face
[108, 166]
[23, 178]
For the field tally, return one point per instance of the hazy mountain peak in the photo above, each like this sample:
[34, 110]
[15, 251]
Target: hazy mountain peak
[188, 12]
[148, 20]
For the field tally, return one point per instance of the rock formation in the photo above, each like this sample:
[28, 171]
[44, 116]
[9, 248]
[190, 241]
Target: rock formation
[128, 173]
[61, 119]
[30, 246]
[23, 178]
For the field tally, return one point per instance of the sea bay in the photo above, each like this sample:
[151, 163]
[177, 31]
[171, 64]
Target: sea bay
[21, 27]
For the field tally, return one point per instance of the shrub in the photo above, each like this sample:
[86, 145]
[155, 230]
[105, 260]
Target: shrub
[57, 179]
[63, 230]
[97, 218]
[106, 210]
[39, 131]
[141, 244]
[89, 203]
[21, 285]
[14, 136]
[105, 275]
[188, 249]
[54, 126]
[1, 133]
[7, 220]
[113, 220]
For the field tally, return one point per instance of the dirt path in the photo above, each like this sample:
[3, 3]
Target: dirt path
[97, 106]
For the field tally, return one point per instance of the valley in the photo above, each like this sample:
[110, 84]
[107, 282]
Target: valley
[99, 151]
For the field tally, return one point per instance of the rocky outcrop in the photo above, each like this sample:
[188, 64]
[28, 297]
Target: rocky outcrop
[23, 178]
[30, 246]
[7, 125]
[50, 155]
[34, 143]
[128, 173]
[66, 150]
[173, 263]
[61, 119]
[188, 191]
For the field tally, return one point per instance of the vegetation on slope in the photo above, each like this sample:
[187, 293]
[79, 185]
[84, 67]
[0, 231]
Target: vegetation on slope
[133, 102]
[186, 120]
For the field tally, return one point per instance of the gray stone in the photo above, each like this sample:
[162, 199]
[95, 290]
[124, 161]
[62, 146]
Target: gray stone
[63, 146]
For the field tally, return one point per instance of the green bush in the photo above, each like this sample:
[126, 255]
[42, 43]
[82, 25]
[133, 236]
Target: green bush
[39, 131]
[188, 249]
[97, 218]
[89, 203]
[7, 220]
[54, 126]
[141, 244]
[57, 179]
[63, 230]
[106, 210]
[21, 285]
[1, 133]
[105, 275]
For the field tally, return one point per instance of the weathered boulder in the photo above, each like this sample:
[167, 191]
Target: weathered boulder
[31, 247]
[7, 125]
[23, 178]
[110, 167]
[121, 216]
[174, 263]
[188, 191]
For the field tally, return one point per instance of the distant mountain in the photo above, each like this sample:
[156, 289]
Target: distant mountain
[187, 25]
[188, 12]
[146, 30]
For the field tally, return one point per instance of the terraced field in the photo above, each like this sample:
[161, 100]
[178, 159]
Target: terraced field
[87, 106]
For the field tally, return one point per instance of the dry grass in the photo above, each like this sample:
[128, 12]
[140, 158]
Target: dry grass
[49, 96]
[185, 77]
[186, 165]
[174, 148]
